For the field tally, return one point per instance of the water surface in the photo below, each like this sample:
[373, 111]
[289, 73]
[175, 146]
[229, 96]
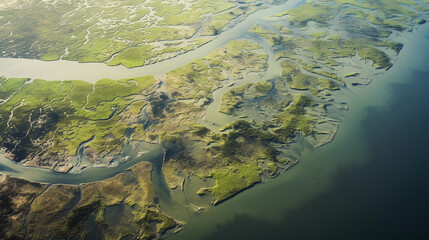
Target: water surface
[152, 153]
[92, 72]
[371, 182]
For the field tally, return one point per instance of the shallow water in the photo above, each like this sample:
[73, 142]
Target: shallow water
[154, 154]
[369, 183]
[91, 72]
[334, 191]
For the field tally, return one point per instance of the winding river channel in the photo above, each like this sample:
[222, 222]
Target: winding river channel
[153, 153]
[370, 182]
[272, 202]
[92, 72]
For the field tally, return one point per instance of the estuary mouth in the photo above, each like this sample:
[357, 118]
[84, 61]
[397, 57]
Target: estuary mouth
[196, 119]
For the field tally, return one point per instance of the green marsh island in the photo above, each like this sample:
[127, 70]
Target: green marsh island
[137, 156]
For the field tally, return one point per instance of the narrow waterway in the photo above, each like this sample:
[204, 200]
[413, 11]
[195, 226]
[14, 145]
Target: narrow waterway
[218, 119]
[92, 72]
[369, 183]
[152, 153]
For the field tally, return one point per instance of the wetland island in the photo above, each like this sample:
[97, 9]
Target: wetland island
[125, 119]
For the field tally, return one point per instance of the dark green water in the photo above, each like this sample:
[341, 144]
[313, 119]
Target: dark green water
[371, 182]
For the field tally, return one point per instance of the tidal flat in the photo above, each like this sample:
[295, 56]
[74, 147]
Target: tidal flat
[130, 33]
[374, 168]
[239, 111]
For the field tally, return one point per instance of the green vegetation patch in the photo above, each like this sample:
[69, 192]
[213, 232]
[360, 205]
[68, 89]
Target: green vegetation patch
[320, 13]
[219, 21]
[282, 29]
[133, 57]
[357, 13]
[95, 31]
[107, 89]
[387, 8]
[353, 74]
[273, 38]
[10, 86]
[233, 180]
[300, 81]
[295, 118]
[386, 14]
[261, 89]
[149, 217]
[327, 50]
[47, 212]
[61, 115]
[137, 106]
[194, 80]
[233, 98]
[391, 8]
[318, 35]
[362, 28]
[239, 57]
[198, 79]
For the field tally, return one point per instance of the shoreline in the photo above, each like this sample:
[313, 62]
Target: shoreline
[89, 174]
[324, 142]
[313, 173]
[92, 72]
[353, 90]
[296, 150]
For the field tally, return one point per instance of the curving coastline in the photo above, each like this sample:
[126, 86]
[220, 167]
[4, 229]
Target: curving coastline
[92, 72]
[334, 107]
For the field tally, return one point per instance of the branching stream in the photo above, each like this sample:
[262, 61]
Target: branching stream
[91, 72]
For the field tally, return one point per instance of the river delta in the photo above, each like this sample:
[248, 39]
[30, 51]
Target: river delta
[96, 151]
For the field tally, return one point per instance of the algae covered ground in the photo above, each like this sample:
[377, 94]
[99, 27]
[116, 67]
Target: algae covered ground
[131, 33]
[272, 89]
[46, 121]
[42, 211]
